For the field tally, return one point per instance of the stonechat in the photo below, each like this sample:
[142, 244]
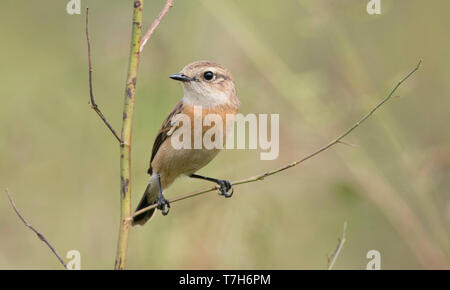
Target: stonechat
[209, 86]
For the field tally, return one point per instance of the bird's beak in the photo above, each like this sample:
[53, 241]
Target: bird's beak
[181, 77]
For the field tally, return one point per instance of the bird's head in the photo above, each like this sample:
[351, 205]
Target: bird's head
[206, 84]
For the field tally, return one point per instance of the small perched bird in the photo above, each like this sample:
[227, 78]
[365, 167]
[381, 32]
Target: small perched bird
[209, 86]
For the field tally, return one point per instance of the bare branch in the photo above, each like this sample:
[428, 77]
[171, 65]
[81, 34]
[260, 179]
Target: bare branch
[155, 23]
[94, 105]
[290, 165]
[38, 233]
[334, 255]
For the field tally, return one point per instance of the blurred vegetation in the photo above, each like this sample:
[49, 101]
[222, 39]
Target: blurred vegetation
[319, 64]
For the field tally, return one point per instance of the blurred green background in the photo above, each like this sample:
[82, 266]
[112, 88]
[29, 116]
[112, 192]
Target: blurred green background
[320, 64]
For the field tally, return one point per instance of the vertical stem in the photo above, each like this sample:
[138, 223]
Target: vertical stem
[125, 146]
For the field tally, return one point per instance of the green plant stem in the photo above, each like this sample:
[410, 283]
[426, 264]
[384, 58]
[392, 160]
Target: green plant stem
[125, 146]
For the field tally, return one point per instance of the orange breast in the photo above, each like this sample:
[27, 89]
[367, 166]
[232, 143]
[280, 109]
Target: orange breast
[221, 111]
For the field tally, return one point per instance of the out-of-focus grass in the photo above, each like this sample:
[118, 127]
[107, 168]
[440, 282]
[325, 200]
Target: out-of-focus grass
[320, 65]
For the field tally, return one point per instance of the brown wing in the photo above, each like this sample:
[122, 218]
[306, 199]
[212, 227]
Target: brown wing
[162, 133]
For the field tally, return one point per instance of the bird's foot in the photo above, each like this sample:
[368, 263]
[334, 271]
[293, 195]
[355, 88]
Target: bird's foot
[225, 187]
[161, 205]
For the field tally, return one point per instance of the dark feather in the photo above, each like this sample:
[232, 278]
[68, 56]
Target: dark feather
[162, 133]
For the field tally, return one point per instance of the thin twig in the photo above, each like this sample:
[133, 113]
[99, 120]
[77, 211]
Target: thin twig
[38, 233]
[155, 23]
[333, 257]
[94, 105]
[348, 144]
[321, 149]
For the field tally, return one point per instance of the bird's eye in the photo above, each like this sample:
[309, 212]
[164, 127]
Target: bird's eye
[208, 75]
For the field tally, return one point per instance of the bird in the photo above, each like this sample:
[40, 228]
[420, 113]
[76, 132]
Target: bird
[209, 86]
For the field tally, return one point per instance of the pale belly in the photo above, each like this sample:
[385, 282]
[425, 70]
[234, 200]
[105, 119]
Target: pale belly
[188, 161]
[171, 163]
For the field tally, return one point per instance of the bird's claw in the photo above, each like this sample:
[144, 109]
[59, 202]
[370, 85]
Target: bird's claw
[161, 205]
[224, 188]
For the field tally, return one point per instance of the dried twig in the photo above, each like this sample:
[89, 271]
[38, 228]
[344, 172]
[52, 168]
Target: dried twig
[155, 23]
[94, 105]
[290, 165]
[348, 144]
[334, 255]
[38, 233]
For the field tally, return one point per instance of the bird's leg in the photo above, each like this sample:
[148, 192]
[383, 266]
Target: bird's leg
[161, 201]
[225, 185]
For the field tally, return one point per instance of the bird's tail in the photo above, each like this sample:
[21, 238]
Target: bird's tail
[149, 198]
